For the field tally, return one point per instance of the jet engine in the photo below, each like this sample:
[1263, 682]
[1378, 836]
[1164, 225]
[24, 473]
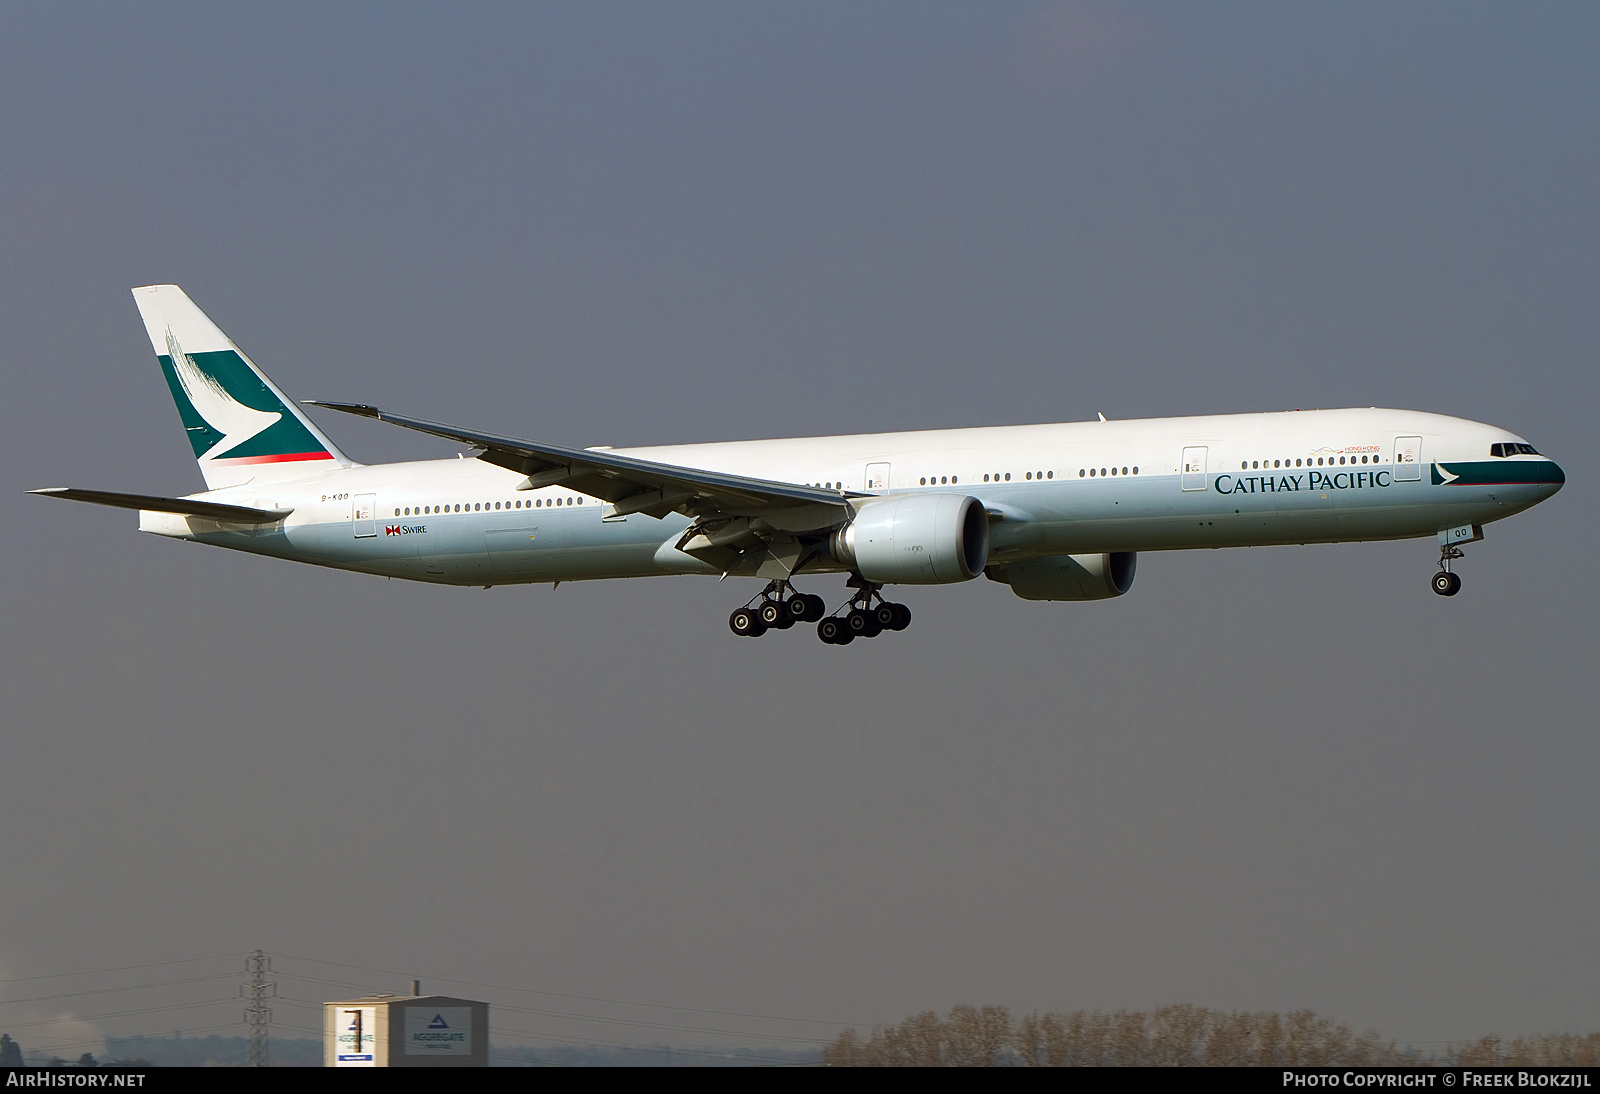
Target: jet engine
[1070, 577]
[915, 539]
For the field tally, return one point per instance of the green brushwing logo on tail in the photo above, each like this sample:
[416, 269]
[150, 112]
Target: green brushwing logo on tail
[230, 413]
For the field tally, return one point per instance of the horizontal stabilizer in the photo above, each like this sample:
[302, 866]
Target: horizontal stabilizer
[211, 510]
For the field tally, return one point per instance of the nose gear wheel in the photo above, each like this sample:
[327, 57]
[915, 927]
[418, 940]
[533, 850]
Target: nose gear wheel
[1446, 582]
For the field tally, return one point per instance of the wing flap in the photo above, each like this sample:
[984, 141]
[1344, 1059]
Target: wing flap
[211, 510]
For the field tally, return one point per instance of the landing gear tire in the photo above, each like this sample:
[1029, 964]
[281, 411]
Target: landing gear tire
[801, 608]
[901, 616]
[833, 631]
[1446, 583]
[863, 624]
[775, 615]
[747, 623]
[887, 616]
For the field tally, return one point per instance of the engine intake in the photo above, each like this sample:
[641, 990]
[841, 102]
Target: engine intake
[915, 539]
[1070, 577]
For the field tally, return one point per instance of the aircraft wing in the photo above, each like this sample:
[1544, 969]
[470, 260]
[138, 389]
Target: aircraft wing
[211, 510]
[633, 485]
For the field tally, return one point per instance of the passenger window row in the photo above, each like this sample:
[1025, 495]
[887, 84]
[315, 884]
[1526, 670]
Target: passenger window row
[480, 506]
[1253, 465]
[1034, 476]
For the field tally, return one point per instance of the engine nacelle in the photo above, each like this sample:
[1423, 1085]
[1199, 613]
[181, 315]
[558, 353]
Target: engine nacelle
[915, 539]
[1070, 577]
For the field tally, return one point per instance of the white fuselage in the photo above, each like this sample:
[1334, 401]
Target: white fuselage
[1146, 485]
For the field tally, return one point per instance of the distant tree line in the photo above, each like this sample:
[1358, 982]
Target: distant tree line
[1173, 1036]
[173, 1051]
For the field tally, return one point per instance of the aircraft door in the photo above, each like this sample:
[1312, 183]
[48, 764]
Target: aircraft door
[1194, 468]
[877, 476]
[363, 509]
[1407, 459]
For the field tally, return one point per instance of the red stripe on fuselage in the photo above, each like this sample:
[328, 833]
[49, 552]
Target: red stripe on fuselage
[282, 457]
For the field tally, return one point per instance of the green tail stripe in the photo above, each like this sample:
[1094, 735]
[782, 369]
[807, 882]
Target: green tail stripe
[1498, 473]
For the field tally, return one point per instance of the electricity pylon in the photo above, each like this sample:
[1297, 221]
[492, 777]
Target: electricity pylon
[257, 1015]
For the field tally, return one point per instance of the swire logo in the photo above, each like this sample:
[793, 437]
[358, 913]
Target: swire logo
[403, 529]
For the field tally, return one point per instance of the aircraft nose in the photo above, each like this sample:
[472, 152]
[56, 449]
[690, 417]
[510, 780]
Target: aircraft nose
[1558, 477]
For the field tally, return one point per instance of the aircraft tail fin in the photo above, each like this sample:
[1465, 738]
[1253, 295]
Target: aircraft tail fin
[241, 426]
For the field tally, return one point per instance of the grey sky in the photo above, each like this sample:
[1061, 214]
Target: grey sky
[1264, 779]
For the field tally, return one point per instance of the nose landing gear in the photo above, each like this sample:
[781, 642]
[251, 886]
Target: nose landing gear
[1446, 582]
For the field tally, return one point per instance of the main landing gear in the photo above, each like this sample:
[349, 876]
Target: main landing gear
[778, 607]
[1446, 582]
[862, 618]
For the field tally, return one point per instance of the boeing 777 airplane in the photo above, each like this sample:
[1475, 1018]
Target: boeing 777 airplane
[1056, 512]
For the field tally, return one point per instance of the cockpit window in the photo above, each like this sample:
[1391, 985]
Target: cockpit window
[1512, 448]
